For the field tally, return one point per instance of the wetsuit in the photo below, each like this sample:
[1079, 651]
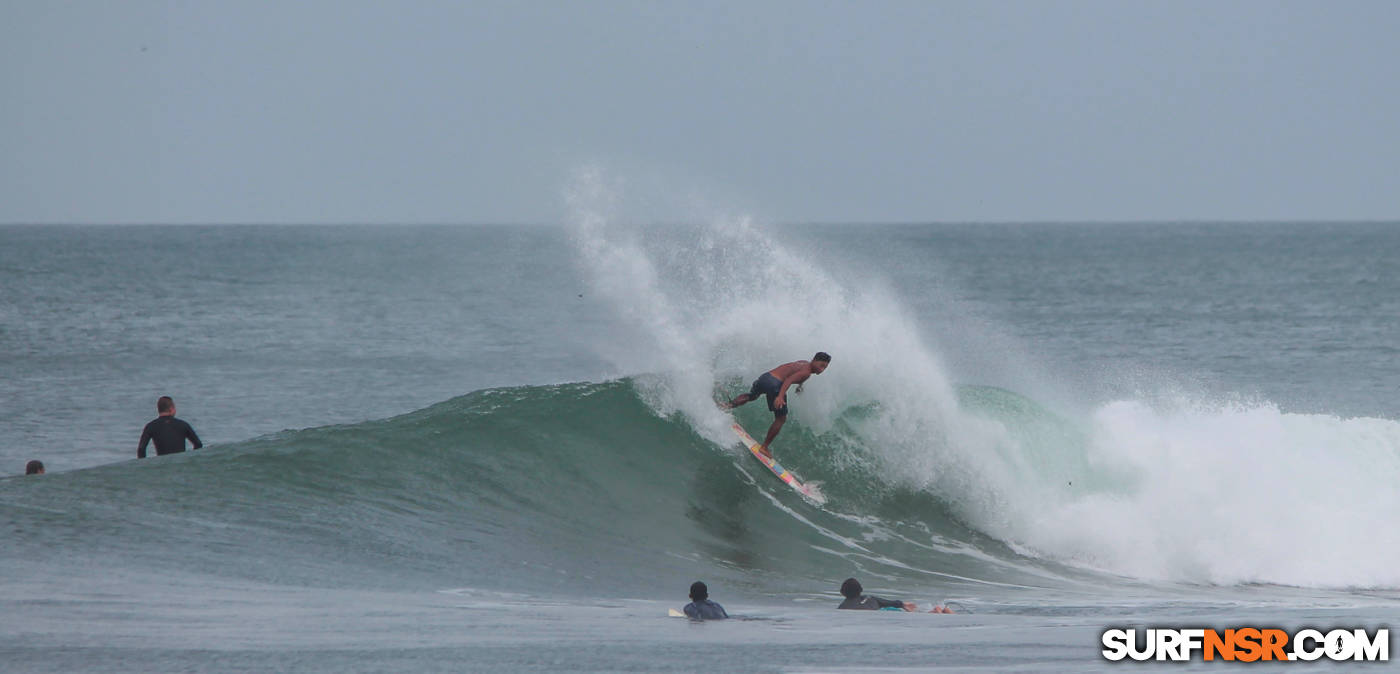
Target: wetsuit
[870, 603]
[169, 434]
[705, 610]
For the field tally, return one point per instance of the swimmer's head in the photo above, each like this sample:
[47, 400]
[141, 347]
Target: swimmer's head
[851, 588]
[698, 591]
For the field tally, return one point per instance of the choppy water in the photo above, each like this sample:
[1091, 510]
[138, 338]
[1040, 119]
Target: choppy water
[485, 448]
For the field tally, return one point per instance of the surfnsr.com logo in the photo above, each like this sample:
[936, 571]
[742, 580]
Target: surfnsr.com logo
[1246, 644]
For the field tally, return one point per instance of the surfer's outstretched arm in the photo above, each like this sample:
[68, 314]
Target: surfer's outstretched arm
[781, 400]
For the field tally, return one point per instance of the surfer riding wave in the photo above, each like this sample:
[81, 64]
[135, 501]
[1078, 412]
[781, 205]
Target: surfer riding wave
[773, 385]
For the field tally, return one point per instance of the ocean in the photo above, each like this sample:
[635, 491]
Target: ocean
[495, 448]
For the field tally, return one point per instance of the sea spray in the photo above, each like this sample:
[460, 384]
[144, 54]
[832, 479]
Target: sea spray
[724, 301]
[1218, 495]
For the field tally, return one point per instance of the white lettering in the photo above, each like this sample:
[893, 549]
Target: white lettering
[1372, 649]
[1148, 645]
[1115, 645]
[1302, 651]
[1195, 641]
[1339, 646]
[1170, 645]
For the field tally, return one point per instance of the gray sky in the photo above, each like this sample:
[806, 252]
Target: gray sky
[336, 111]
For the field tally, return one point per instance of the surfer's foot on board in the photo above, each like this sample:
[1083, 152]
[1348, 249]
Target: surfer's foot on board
[764, 451]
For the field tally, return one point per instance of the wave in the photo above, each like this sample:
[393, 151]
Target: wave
[544, 489]
[635, 486]
[583, 488]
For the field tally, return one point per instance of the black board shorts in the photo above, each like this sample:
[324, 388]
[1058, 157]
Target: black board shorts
[768, 386]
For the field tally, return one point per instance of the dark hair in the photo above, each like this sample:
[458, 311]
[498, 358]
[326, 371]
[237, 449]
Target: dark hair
[851, 588]
[165, 404]
[698, 591]
[822, 356]
[34, 467]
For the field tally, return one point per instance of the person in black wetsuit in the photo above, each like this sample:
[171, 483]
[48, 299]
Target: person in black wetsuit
[168, 432]
[700, 606]
[852, 590]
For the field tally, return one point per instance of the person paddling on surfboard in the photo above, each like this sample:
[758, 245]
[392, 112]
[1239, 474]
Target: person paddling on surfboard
[857, 599]
[774, 384]
[700, 606]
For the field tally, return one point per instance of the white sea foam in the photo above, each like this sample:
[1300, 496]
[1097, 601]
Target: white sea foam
[1229, 495]
[1196, 493]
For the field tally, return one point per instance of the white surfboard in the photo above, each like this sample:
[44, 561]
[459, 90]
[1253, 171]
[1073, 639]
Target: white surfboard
[809, 492]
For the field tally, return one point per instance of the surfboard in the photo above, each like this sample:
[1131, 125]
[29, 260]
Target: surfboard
[809, 492]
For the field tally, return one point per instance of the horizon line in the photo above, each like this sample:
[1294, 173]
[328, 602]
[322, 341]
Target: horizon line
[794, 223]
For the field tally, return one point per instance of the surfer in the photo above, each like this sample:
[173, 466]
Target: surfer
[168, 432]
[852, 591]
[700, 606]
[774, 384]
[34, 467]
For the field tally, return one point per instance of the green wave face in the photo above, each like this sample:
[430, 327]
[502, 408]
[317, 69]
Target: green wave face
[575, 489]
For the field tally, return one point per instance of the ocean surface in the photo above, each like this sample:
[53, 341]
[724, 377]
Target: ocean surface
[495, 448]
